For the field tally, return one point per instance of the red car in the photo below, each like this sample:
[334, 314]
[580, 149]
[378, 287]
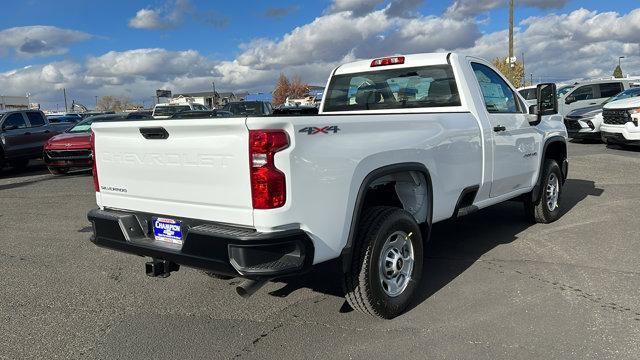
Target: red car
[72, 149]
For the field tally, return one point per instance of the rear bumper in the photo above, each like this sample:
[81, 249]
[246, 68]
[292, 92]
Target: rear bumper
[221, 249]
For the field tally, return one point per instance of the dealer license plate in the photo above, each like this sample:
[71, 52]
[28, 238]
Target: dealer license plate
[168, 230]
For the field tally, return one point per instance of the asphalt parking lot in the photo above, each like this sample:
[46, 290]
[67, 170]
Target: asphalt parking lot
[494, 286]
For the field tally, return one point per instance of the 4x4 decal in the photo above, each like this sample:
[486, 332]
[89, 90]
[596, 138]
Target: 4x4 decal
[312, 130]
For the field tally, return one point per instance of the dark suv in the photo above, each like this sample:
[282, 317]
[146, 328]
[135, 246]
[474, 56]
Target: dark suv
[23, 134]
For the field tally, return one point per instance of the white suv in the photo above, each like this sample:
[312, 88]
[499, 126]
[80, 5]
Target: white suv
[621, 122]
[591, 93]
[585, 123]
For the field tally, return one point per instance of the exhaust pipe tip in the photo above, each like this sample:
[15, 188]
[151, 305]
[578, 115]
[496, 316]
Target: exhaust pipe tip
[249, 287]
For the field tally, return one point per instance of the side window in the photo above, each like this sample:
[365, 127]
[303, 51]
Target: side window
[498, 96]
[35, 118]
[14, 120]
[610, 89]
[583, 93]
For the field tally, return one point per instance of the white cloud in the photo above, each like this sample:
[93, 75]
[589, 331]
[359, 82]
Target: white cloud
[468, 8]
[172, 14]
[327, 38]
[38, 40]
[356, 7]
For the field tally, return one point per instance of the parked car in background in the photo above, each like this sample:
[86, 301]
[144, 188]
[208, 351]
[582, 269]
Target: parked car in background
[72, 149]
[165, 111]
[85, 115]
[591, 93]
[199, 114]
[563, 89]
[23, 134]
[295, 110]
[55, 119]
[529, 94]
[249, 108]
[621, 122]
[585, 123]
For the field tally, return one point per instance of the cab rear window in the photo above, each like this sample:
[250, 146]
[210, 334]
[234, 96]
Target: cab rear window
[429, 86]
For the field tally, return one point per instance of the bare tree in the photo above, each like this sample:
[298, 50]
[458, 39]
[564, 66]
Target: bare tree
[295, 88]
[113, 103]
[298, 89]
[281, 91]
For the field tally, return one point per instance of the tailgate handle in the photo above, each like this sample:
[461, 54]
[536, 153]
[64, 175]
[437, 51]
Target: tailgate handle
[154, 133]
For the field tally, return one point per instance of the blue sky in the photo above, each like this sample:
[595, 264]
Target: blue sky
[97, 48]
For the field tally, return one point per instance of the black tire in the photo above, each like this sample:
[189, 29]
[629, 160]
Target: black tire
[19, 164]
[363, 282]
[217, 276]
[58, 170]
[539, 211]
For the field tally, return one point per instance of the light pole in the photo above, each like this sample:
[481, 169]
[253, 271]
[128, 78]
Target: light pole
[96, 102]
[213, 98]
[620, 58]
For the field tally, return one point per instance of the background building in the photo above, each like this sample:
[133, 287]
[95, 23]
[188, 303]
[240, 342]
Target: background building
[13, 102]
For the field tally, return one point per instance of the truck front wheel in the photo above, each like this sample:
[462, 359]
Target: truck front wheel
[546, 208]
[387, 262]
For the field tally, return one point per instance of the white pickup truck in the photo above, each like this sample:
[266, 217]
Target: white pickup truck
[399, 143]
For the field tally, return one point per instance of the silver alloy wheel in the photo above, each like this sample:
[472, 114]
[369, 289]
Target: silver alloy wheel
[553, 192]
[396, 263]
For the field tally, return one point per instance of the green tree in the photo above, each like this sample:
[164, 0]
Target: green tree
[617, 73]
[515, 75]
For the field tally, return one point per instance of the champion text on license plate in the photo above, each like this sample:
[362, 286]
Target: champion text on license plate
[167, 230]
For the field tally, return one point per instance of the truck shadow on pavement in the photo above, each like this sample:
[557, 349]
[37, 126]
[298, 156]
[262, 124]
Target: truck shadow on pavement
[455, 245]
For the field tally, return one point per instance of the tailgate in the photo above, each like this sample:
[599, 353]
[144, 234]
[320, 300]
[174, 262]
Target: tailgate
[200, 171]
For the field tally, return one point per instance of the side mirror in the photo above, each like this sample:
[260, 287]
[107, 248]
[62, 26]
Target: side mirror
[546, 102]
[570, 99]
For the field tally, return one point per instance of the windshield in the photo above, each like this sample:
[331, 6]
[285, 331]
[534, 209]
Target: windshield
[564, 89]
[169, 110]
[244, 108]
[83, 126]
[528, 94]
[633, 92]
[428, 86]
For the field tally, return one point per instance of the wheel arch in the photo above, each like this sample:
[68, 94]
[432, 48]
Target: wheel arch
[554, 148]
[359, 206]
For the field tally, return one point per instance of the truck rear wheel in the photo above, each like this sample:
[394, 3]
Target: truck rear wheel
[387, 262]
[547, 208]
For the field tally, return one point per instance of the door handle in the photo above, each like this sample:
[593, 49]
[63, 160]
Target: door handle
[593, 103]
[499, 128]
[27, 133]
[47, 131]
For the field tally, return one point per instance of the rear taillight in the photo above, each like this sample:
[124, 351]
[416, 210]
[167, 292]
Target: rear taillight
[268, 186]
[94, 168]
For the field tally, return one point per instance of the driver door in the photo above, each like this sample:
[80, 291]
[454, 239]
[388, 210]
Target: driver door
[515, 141]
